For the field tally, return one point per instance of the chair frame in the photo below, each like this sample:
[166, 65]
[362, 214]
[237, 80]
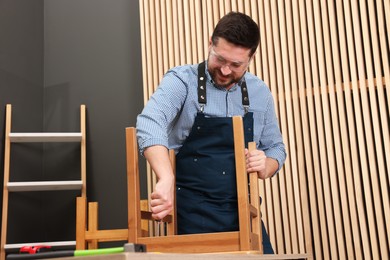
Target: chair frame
[248, 238]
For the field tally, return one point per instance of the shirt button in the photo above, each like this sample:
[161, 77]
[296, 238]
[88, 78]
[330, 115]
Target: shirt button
[195, 160]
[223, 173]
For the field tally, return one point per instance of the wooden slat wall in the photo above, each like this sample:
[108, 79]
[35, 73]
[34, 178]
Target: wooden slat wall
[327, 64]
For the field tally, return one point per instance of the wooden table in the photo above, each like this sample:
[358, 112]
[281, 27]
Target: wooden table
[166, 256]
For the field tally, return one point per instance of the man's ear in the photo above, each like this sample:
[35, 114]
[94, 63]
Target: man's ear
[253, 55]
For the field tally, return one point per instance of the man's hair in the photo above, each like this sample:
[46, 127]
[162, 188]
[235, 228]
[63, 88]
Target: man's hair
[238, 29]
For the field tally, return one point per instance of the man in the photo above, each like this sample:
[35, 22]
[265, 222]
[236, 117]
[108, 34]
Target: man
[191, 112]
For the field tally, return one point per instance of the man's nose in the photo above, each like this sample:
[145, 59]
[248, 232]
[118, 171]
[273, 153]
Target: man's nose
[225, 69]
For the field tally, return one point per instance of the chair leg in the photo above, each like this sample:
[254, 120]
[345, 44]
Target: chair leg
[93, 223]
[144, 205]
[81, 220]
[255, 202]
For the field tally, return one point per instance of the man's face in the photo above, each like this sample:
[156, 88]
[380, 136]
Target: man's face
[227, 63]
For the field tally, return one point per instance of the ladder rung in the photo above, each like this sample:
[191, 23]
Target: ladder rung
[53, 244]
[44, 137]
[44, 185]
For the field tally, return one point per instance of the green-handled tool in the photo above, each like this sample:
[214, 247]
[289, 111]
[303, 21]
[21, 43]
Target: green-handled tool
[67, 253]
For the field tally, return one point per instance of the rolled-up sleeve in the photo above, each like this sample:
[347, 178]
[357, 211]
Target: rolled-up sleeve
[271, 140]
[155, 120]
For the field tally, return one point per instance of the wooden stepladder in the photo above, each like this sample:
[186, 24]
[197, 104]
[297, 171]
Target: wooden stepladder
[9, 186]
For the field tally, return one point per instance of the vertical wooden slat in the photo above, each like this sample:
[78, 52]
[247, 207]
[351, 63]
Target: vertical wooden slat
[367, 140]
[234, 6]
[282, 94]
[199, 32]
[305, 161]
[176, 33]
[170, 32]
[240, 6]
[385, 63]
[257, 65]
[247, 8]
[326, 150]
[347, 198]
[383, 135]
[192, 32]
[299, 197]
[318, 135]
[284, 84]
[187, 32]
[181, 32]
[296, 229]
[145, 45]
[205, 27]
[153, 40]
[271, 185]
[387, 16]
[216, 14]
[262, 52]
[158, 41]
[228, 6]
[375, 94]
[221, 6]
[336, 166]
[356, 147]
[350, 148]
[279, 198]
[311, 142]
[164, 36]
[210, 19]
[385, 33]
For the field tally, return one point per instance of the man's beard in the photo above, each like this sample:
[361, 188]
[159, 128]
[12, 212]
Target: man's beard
[216, 75]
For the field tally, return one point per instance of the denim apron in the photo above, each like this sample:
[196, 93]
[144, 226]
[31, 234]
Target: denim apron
[206, 193]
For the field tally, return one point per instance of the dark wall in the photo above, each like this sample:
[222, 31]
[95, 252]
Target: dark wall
[21, 63]
[21, 84]
[93, 57]
[89, 53]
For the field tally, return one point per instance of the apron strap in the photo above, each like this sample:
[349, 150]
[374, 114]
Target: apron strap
[244, 94]
[202, 98]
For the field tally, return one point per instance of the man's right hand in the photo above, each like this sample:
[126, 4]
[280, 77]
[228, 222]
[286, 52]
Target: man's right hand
[161, 200]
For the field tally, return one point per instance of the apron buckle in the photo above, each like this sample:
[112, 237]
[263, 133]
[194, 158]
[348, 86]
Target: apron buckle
[246, 108]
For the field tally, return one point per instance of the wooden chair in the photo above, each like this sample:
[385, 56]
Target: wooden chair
[248, 238]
